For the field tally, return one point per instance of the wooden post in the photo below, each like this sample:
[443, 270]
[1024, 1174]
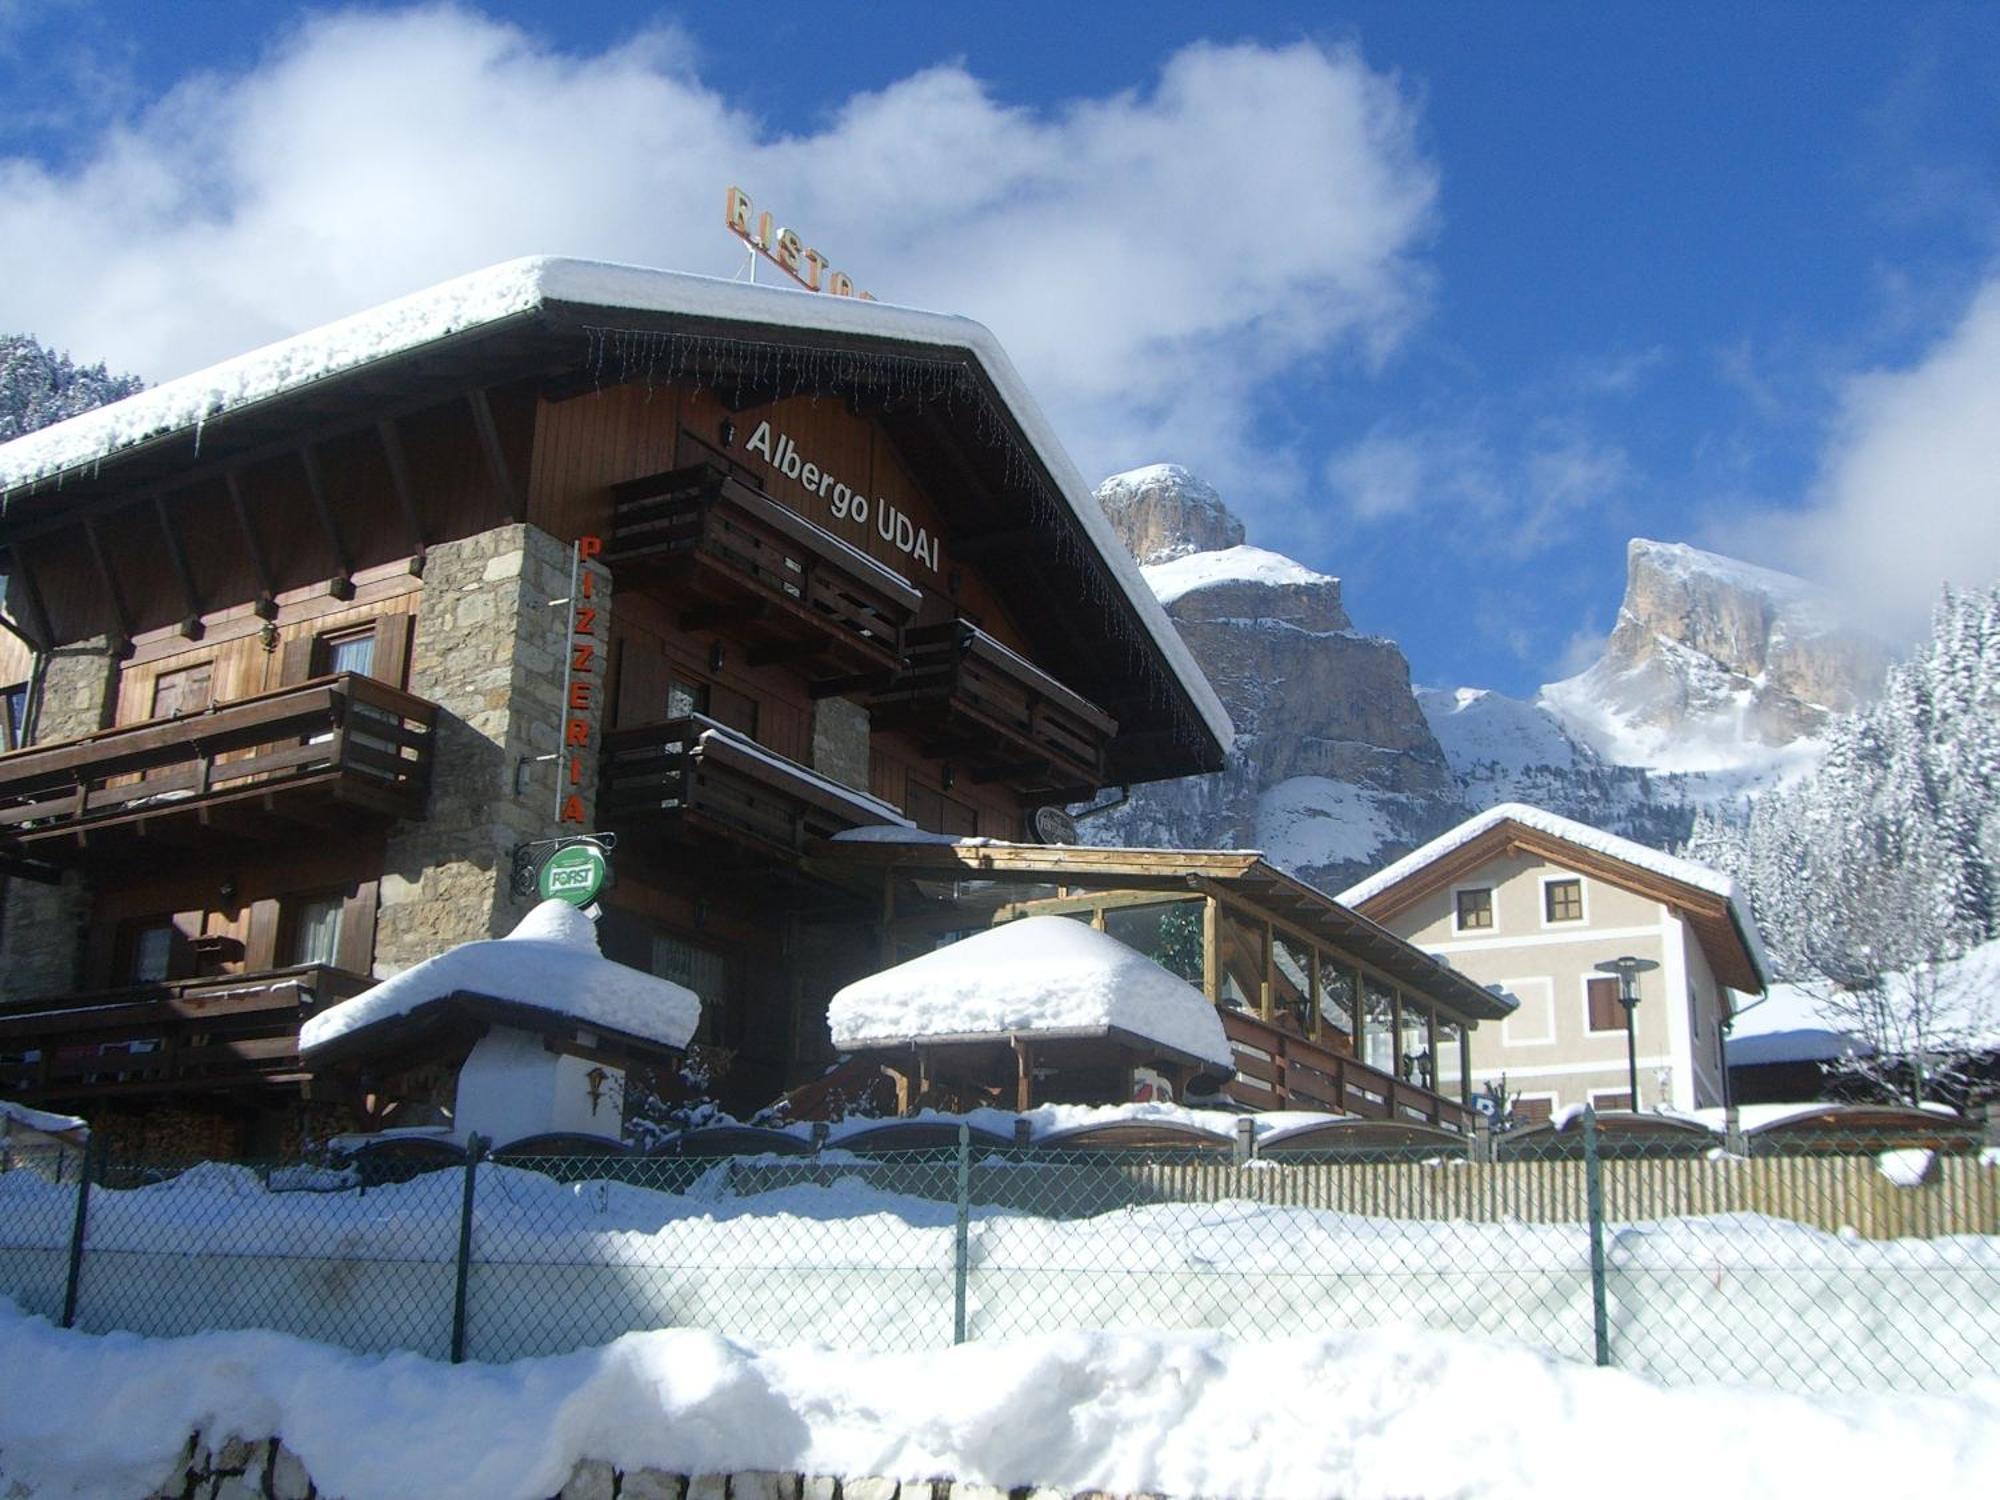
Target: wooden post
[1024, 1076]
[1265, 1000]
[1211, 956]
[1313, 1016]
[1465, 1064]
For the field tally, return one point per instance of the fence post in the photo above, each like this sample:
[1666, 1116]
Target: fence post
[1244, 1147]
[960, 1247]
[474, 1149]
[93, 1166]
[1593, 1187]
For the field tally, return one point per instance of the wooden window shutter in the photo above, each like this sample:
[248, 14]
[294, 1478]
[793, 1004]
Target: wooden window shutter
[392, 649]
[1607, 1011]
[295, 661]
[355, 950]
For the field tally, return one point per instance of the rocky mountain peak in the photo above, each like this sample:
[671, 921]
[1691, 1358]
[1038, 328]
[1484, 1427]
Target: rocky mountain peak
[1163, 511]
[1711, 658]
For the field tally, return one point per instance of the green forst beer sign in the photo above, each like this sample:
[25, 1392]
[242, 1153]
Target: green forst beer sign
[574, 873]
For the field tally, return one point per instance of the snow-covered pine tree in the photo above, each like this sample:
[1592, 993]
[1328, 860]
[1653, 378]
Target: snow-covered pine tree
[39, 386]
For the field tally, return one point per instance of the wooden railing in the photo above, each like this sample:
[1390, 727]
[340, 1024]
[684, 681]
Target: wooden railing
[766, 564]
[221, 1031]
[350, 738]
[1277, 1069]
[1027, 728]
[698, 770]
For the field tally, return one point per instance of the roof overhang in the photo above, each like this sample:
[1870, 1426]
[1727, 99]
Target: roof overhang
[438, 1025]
[1114, 1042]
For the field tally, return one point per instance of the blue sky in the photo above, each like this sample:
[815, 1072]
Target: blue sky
[1449, 299]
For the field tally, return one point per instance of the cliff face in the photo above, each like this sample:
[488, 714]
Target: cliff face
[1713, 664]
[1334, 762]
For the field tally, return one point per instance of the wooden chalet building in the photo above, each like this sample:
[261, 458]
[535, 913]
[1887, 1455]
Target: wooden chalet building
[309, 647]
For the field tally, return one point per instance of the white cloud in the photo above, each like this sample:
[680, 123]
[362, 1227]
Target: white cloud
[1908, 493]
[1151, 259]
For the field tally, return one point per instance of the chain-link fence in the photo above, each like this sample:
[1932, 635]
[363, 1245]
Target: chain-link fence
[1838, 1264]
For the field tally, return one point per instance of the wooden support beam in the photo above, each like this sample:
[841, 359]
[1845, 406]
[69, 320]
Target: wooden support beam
[260, 564]
[1211, 950]
[406, 492]
[119, 612]
[1024, 1076]
[26, 595]
[343, 584]
[497, 467]
[191, 625]
[858, 682]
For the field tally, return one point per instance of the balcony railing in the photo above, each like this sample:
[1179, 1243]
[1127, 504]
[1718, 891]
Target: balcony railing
[709, 776]
[1004, 717]
[791, 589]
[1276, 1069]
[243, 767]
[225, 1031]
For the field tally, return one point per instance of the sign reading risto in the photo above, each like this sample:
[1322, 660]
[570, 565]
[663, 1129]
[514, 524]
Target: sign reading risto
[784, 249]
[844, 502]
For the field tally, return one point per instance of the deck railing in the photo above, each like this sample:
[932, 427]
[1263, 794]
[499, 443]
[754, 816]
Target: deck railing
[1277, 1069]
[353, 739]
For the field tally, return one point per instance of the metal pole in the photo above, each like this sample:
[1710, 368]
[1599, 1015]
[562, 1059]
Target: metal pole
[961, 1247]
[1631, 1054]
[474, 1148]
[1593, 1187]
[93, 1166]
[568, 658]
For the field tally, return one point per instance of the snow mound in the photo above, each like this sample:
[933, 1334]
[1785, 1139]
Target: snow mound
[550, 961]
[1036, 975]
[1244, 564]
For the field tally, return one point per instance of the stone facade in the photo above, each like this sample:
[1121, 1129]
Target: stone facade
[490, 649]
[41, 930]
[840, 742]
[265, 1469]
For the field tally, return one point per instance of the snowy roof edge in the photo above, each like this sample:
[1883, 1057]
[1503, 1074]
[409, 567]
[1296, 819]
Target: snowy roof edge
[531, 283]
[1582, 834]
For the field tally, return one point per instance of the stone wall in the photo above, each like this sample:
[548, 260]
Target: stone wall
[489, 650]
[840, 742]
[265, 1469]
[41, 928]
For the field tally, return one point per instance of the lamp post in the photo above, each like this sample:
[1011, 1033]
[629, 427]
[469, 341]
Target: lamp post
[1628, 969]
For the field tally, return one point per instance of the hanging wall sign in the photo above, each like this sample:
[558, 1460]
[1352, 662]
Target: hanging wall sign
[784, 249]
[581, 673]
[574, 873]
[844, 502]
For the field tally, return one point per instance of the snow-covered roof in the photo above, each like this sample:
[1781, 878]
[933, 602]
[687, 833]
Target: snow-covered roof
[1243, 564]
[1596, 840]
[521, 287]
[1036, 976]
[1794, 1024]
[550, 962]
[41, 1121]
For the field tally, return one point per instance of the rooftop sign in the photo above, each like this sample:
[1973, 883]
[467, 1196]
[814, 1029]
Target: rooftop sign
[784, 249]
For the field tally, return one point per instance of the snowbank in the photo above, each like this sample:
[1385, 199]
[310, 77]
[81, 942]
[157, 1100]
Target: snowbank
[1036, 975]
[1359, 1415]
[551, 961]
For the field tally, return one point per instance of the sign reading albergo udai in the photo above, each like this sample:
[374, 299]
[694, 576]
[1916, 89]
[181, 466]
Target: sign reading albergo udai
[844, 501]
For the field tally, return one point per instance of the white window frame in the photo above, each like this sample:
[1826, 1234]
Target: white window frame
[1542, 902]
[1519, 988]
[1493, 892]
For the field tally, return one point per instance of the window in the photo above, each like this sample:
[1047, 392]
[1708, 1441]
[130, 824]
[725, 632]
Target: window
[315, 930]
[13, 715]
[1610, 1099]
[149, 950]
[1475, 910]
[1562, 901]
[182, 692]
[737, 711]
[1607, 1012]
[702, 970]
[349, 651]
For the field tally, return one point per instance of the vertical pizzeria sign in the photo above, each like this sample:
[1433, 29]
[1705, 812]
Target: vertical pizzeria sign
[582, 678]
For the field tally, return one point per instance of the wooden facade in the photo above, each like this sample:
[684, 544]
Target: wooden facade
[839, 594]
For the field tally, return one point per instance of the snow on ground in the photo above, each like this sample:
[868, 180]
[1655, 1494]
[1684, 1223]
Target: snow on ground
[551, 960]
[1036, 975]
[1364, 1416]
[41, 1121]
[1240, 564]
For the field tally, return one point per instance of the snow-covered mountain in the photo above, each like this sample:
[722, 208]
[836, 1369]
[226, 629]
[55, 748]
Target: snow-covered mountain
[1716, 666]
[1341, 765]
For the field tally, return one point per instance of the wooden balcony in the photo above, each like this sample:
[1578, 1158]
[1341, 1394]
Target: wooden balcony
[1278, 1069]
[225, 1032]
[999, 715]
[315, 755]
[706, 776]
[791, 590]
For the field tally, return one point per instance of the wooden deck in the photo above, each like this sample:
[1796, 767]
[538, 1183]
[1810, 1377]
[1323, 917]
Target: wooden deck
[312, 756]
[1278, 1069]
[222, 1032]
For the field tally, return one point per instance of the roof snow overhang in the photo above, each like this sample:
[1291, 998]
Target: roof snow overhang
[442, 1024]
[1718, 921]
[942, 387]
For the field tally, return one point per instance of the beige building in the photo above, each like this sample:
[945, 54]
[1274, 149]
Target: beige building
[1530, 903]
